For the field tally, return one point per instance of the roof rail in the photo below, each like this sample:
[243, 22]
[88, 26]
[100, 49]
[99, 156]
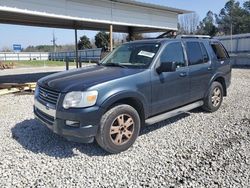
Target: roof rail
[193, 37]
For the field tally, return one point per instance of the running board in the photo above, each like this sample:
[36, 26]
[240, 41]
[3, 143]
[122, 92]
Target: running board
[173, 113]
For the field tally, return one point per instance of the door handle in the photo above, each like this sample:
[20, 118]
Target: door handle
[183, 74]
[209, 68]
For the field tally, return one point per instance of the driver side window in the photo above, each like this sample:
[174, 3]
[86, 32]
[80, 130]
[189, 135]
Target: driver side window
[173, 53]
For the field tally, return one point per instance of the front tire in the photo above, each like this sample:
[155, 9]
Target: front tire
[119, 128]
[214, 99]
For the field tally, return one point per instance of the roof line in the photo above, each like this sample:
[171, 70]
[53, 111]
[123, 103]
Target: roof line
[153, 6]
[72, 18]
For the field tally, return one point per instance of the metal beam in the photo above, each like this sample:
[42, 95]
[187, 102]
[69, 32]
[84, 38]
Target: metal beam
[76, 47]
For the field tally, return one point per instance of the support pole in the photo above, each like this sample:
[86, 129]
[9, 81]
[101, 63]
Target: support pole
[111, 38]
[130, 34]
[76, 47]
[67, 63]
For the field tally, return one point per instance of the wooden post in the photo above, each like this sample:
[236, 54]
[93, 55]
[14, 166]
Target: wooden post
[80, 61]
[111, 37]
[67, 63]
[76, 47]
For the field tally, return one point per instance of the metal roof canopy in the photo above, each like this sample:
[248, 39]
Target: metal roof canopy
[125, 15]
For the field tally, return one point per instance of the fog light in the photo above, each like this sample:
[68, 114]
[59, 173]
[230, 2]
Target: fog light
[72, 123]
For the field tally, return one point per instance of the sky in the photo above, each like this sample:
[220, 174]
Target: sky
[26, 35]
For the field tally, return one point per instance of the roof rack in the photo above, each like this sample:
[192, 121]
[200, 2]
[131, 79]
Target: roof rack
[193, 37]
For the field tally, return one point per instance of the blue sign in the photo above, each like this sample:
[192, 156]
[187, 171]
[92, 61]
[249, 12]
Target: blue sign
[17, 47]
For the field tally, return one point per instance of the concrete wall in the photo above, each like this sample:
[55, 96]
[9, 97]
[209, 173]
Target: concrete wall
[23, 56]
[85, 55]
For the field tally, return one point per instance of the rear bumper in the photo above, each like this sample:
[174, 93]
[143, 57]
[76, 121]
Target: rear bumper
[55, 120]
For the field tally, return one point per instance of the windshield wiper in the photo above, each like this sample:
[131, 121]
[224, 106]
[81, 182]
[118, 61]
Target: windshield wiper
[114, 65]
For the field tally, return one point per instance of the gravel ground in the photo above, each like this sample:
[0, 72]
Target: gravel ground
[192, 150]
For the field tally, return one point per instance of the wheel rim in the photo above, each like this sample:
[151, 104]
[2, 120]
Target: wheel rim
[216, 97]
[122, 129]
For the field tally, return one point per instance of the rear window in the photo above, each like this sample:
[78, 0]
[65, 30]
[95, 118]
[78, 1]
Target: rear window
[219, 51]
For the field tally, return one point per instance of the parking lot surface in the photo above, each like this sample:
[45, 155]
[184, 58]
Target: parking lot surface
[196, 149]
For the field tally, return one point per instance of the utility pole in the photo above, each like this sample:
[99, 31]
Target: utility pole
[54, 42]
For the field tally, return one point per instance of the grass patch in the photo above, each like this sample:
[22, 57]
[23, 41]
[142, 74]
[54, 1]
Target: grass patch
[41, 63]
[38, 63]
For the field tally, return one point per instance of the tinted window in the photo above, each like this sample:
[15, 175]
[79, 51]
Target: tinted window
[173, 53]
[219, 51]
[133, 55]
[204, 53]
[194, 53]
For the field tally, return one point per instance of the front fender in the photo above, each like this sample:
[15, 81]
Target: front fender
[123, 95]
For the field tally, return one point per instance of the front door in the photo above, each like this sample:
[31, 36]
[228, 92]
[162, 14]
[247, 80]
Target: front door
[170, 89]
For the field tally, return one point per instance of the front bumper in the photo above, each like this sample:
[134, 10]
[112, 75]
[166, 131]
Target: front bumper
[55, 120]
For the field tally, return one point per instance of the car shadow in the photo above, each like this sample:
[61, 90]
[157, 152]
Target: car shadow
[150, 128]
[37, 138]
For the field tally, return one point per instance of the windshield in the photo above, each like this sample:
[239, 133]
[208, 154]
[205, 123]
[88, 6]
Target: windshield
[132, 55]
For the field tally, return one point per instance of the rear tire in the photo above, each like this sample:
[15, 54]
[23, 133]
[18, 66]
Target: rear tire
[119, 128]
[214, 99]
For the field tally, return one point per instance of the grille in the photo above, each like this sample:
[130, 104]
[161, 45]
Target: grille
[48, 96]
[44, 117]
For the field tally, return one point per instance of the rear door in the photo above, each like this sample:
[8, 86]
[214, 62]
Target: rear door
[170, 89]
[222, 61]
[200, 69]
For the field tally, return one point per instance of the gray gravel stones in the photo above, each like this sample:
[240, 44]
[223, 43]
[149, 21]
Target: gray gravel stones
[195, 149]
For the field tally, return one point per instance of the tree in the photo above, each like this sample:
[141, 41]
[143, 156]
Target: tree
[246, 6]
[134, 36]
[207, 25]
[84, 43]
[102, 40]
[6, 49]
[234, 18]
[188, 23]
[246, 18]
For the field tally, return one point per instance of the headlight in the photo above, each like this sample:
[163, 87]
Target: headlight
[80, 99]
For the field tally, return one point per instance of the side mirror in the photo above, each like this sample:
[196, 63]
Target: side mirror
[166, 67]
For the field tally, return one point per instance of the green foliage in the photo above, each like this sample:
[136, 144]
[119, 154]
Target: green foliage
[102, 40]
[49, 48]
[40, 63]
[234, 17]
[40, 48]
[84, 43]
[135, 36]
[207, 25]
[246, 6]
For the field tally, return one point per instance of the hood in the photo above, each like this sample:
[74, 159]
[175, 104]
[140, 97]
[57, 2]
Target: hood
[81, 79]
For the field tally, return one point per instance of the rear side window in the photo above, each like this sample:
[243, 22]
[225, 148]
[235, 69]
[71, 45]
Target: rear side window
[204, 53]
[195, 55]
[219, 51]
